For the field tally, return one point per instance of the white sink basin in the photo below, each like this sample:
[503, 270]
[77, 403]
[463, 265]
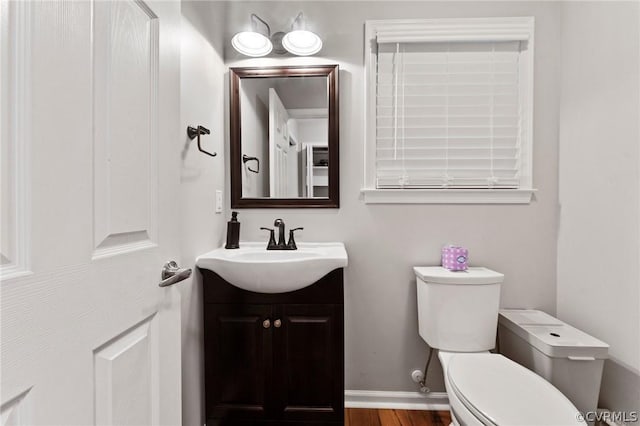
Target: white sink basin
[252, 267]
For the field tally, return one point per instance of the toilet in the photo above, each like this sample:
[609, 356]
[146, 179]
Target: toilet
[458, 315]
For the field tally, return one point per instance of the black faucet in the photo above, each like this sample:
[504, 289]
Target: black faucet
[291, 245]
[281, 245]
[280, 224]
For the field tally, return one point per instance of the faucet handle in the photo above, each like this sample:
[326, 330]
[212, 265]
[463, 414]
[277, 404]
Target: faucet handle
[272, 240]
[291, 245]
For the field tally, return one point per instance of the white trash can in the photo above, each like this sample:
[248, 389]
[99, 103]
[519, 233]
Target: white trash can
[565, 356]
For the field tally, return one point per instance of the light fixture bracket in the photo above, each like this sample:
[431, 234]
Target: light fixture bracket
[276, 40]
[255, 19]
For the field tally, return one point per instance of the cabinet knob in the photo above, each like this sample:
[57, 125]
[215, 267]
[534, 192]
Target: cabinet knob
[277, 323]
[266, 323]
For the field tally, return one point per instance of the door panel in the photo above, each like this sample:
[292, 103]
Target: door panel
[126, 377]
[238, 360]
[88, 337]
[125, 83]
[307, 366]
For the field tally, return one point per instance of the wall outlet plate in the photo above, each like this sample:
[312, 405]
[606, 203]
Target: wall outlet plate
[218, 202]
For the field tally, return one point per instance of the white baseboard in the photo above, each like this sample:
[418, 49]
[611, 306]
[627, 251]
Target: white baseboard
[434, 401]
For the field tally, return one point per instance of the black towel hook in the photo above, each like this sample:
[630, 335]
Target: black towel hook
[193, 133]
[246, 158]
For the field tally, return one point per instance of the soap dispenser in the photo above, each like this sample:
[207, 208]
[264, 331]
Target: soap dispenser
[233, 232]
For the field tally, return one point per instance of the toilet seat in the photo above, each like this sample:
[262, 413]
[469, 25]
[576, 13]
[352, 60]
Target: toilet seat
[500, 392]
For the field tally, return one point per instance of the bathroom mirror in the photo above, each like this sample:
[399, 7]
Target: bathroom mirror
[284, 136]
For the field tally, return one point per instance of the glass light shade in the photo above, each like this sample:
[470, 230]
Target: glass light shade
[302, 43]
[252, 43]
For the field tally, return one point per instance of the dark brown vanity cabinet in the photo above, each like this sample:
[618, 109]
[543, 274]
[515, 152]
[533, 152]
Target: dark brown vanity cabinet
[274, 358]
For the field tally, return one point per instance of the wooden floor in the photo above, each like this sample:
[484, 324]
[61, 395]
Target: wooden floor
[374, 417]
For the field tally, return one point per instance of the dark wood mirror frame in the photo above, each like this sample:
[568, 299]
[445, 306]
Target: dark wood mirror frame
[328, 71]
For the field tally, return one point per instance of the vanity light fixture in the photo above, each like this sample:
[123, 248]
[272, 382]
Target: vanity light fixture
[256, 42]
[299, 41]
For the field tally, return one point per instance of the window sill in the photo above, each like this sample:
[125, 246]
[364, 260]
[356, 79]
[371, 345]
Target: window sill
[447, 196]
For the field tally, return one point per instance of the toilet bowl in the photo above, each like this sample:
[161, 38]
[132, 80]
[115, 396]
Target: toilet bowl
[458, 315]
[489, 389]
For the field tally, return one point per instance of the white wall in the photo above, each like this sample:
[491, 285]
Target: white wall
[313, 130]
[385, 241]
[598, 240]
[202, 230]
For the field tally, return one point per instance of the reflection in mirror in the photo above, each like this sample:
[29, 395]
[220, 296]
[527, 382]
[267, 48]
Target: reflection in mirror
[284, 136]
[285, 128]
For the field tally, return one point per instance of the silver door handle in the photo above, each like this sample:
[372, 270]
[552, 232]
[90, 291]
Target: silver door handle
[171, 274]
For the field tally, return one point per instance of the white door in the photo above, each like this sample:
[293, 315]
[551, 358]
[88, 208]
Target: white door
[309, 170]
[90, 169]
[278, 147]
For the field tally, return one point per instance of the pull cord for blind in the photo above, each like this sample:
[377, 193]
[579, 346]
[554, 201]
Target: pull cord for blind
[405, 177]
[395, 101]
[492, 179]
[398, 68]
[447, 177]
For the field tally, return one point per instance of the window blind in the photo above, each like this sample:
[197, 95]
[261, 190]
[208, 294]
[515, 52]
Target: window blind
[448, 115]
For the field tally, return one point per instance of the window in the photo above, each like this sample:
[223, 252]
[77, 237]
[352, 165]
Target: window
[449, 111]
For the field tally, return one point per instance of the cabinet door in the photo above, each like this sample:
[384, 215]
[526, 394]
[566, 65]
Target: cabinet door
[238, 369]
[309, 362]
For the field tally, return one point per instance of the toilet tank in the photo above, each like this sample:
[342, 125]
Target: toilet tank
[458, 311]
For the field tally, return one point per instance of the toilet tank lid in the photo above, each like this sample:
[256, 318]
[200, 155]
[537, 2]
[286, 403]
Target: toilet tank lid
[551, 336]
[473, 275]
